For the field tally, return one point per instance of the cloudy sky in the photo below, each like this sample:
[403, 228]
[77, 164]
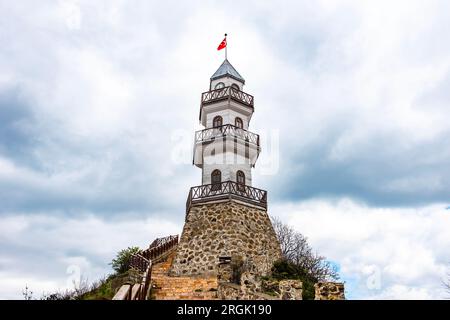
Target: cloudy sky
[99, 103]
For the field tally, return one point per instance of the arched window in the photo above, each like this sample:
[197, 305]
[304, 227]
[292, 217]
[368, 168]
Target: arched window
[238, 123]
[217, 121]
[235, 86]
[216, 180]
[240, 179]
[219, 85]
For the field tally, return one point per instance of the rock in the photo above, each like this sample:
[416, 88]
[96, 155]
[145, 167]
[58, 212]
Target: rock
[291, 289]
[329, 291]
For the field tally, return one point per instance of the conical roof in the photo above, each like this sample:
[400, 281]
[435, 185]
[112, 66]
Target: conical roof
[227, 70]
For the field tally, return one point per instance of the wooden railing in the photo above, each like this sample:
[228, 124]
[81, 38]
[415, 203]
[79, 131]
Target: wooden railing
[224, 190]
[142, 262]
[159, 247]
[227, 129]
[227, 93]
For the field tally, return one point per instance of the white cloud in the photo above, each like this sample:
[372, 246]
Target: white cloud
[357, 90]
[42, 250]
[405, 247]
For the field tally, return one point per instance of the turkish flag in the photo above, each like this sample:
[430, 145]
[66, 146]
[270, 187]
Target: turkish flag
[223, 44]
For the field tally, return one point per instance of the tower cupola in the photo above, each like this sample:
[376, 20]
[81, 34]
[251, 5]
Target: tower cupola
[226, 76]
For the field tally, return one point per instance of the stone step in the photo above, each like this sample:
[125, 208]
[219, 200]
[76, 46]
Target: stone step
[165, 287]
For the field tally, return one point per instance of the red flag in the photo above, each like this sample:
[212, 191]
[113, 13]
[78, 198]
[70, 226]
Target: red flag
[223, 44]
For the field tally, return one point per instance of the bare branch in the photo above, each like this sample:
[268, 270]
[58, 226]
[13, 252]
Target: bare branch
[446, 284]
[295, 248]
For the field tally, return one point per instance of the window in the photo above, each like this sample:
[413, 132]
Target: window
[216, 180]
[220, 85]
[235, 86]
[238, 123]
[217, 121]
[240, 178]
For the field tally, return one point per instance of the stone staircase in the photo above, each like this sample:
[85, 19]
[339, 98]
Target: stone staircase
[165, 287]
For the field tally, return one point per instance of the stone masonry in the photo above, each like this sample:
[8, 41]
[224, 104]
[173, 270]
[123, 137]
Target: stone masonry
[329, 291]
[176, 288]
[221, 230]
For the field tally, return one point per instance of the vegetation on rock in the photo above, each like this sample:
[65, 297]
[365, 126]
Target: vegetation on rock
[299, 261]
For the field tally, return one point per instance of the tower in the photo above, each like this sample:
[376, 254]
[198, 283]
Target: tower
[225, 216]
[226, 150]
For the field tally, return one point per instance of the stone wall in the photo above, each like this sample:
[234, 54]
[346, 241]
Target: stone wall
[232, 291]
[291, 290]
[285, 290]
[225, 229]
[329, 291]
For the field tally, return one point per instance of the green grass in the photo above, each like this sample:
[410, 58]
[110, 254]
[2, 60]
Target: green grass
[103, 292]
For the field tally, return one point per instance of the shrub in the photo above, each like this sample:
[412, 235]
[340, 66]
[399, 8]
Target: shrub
[120, 263]
[284, 269]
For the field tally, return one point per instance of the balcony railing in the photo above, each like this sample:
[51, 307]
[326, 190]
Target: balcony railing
[226, 130]
[226, 190]
[227, 93]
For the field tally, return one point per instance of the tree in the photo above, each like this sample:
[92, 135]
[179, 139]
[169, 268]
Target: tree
[295, 249]
[27, 293]
[299, 258]
[120, 263]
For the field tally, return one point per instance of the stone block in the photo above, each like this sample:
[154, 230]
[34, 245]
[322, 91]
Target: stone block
[329, 291]
[290, 289]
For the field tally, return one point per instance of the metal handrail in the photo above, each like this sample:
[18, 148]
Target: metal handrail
[224, 130]
[228, 93]
[227, 189]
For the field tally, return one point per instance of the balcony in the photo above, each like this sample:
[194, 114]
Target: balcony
[228, 138]
[226, 190]
[225, 98]
[210, 134]
[227, 93]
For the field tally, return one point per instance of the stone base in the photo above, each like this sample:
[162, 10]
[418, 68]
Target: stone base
[224, 230]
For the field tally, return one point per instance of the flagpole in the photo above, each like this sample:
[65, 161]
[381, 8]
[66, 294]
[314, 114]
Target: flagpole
[226, 46]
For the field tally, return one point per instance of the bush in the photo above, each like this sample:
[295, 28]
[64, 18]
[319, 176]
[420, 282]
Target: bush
[120, 263]
[284, 269]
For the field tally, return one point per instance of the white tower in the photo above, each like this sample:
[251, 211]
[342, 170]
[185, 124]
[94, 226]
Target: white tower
[225, 216]
[225, 149]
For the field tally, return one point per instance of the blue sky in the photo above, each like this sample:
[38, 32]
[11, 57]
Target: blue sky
[99, 103]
